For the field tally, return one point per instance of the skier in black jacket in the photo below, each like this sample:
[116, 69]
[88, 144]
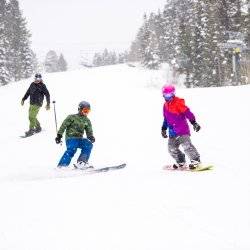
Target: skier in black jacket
[36, 92]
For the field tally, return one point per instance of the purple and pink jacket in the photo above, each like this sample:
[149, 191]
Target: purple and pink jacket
[175, 114]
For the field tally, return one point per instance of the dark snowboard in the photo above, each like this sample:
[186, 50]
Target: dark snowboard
[25, 136]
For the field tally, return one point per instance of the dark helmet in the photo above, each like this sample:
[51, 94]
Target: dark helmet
[83, 105]
[37, 75]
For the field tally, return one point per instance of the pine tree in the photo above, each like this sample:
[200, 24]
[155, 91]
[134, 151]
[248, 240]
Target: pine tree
[51, 62]
[28, 57]
[4, 72]
[143, 39]
[62, 64]
[151, 53]
[134, 54]
[36, 65]
[207, 37]
[122, 57]
[247, 25]
[185, 39]
[113, 58]
[171, 31]
[97, 60]
[146, 46]
[20, 56]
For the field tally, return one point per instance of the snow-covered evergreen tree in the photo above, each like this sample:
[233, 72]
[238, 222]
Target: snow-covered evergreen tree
[19, 53]
[51, 62]
[97, 60]
[171, 31]
[62, 64]
[122, 57]
[134, 54]
[205, 71]
[113, 58]
[4, 72]
[37, 66]
[143, 39]
[183, 41]
[145, 48]
[247, 24]
[151, 53]
[158, 27]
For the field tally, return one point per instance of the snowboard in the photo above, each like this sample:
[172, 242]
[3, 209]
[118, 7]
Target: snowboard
[25, 136]
[198, 169]
[101, 169]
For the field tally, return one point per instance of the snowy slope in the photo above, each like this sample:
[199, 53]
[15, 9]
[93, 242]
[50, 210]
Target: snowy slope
[140, 207]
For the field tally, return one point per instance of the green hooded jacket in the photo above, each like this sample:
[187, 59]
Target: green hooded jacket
[75, 125]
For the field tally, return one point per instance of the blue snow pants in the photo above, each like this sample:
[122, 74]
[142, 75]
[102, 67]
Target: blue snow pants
[72, 145]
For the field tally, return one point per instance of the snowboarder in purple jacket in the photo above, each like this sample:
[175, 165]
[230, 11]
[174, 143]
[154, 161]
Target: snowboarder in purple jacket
[176, 114]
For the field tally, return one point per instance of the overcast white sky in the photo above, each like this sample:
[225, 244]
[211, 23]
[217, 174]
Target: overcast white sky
[81, 27]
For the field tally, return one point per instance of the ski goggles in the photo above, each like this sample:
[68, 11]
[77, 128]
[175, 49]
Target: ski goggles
[168, 96]
[85, 111]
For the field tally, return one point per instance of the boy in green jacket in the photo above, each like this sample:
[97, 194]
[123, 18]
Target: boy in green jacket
[75, 126]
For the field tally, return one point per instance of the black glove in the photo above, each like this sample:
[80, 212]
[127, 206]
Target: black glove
[196, 126]
[91, 138]
[47, 107]
[58, 139]
[164, 133]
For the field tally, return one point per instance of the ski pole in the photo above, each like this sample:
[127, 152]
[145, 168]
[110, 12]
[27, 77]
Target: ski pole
[54, 103]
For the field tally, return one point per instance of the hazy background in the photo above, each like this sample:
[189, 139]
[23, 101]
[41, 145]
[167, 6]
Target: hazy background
[79, 28]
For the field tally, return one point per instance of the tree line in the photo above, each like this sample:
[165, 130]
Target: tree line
[53, 63]
[198, 38]
[108, 58]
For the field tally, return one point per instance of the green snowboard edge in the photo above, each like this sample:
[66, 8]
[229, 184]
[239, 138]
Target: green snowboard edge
[203, 168]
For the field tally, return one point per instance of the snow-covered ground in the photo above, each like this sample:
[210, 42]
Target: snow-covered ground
[140, 207]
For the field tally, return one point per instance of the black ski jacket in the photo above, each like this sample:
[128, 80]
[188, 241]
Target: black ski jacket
[36, 92]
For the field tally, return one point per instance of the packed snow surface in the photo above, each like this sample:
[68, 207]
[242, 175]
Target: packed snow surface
[141, 207]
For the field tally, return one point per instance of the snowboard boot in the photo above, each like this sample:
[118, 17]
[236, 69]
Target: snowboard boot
[194, 164]
[38, 129]
[82, 165]
[30, 132]
[180, 165]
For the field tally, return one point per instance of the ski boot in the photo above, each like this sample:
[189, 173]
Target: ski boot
[180, 165]
[194, 164]
[82, 165]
